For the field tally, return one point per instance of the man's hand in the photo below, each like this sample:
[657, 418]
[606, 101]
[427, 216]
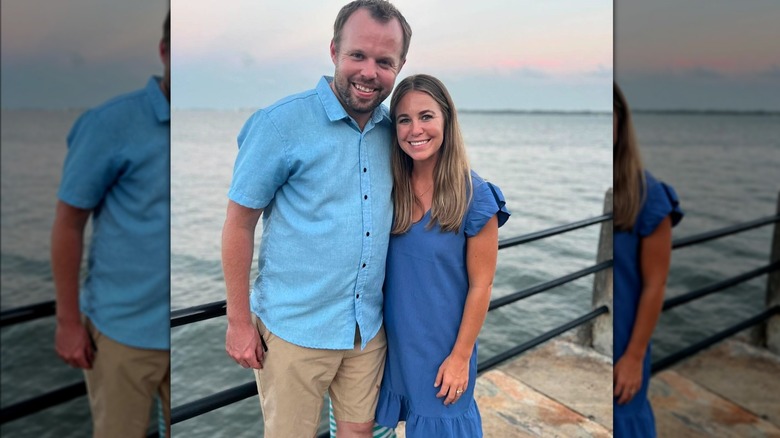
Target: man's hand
[243, 344]
[73, 344]
[242, 341]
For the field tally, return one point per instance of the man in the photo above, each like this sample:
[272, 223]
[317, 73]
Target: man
[316, 165]
[118, 328]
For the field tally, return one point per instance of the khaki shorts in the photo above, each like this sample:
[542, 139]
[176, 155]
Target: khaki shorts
[294, 379]
[122, 386]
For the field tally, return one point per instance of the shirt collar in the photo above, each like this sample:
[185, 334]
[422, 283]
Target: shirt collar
[161, 106]
[336, 111]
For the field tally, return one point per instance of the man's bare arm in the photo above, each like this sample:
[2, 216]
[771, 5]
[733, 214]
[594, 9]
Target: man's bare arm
[72, 341]
[242, 342]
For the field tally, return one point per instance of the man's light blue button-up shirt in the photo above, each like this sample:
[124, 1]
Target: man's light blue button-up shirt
[325, 188]
[118, 166]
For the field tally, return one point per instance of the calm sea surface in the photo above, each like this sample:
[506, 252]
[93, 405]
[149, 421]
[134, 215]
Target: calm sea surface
[725, 169]
[553, 169]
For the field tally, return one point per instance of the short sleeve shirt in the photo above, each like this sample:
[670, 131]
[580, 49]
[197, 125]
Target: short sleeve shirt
[117, 165]
[325, 187]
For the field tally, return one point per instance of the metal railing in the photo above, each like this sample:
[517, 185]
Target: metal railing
[216, 309]
[241, 392]
[670, 303]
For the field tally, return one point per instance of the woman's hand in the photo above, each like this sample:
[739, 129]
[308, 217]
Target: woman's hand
[654, 258]
[452, 378]
[627, 378]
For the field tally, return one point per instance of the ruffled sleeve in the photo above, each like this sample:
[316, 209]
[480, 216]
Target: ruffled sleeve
[488, 201]
[661, 201]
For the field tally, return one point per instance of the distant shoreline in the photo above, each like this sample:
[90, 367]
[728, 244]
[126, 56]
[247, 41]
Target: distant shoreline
[708, 112]
[531, 112]
[636, 111]
[704, 112]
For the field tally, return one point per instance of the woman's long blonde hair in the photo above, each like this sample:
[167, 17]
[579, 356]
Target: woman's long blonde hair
[452, 187]
[628, 173]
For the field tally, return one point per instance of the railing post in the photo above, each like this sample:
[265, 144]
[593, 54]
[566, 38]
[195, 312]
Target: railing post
[772, 326]
[601, 328]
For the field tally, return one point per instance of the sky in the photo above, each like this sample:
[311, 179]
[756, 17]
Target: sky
[698, 54]
[77, 53]
[491, 54]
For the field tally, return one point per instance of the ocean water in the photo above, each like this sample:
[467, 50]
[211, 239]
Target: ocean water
[33, 148]
[724, 168]
[553, 169]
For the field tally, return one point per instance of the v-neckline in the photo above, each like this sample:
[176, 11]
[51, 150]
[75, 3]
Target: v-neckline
[423, 217]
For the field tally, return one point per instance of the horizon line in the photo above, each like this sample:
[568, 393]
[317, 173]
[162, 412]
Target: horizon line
[681, 111]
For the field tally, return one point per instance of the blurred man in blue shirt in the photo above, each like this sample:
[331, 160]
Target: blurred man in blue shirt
[116, 325]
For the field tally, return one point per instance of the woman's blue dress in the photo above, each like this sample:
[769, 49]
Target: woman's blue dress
[425, 292]
[635, 419]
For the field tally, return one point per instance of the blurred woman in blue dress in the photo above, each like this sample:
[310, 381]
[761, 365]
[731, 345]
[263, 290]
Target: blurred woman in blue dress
[645, 210]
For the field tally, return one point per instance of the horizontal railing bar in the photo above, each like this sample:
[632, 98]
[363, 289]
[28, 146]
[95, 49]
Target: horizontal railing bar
[41, 402]
[716, 287]
[525, 293]
[673, 358]
[27, 313]
[496, 360]
[212, 402]
[47, 308]
[217, 308]
[198, 313]
[525, 238]
[733, 229]
[238, 393]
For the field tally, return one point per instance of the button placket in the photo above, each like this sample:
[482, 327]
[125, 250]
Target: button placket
[365, 183]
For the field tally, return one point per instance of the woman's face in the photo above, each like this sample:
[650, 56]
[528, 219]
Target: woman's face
[419, 126]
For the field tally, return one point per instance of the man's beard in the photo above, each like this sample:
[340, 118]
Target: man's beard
[353, 103]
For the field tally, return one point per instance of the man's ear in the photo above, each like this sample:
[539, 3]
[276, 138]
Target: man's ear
[163, 49]
[333, 52]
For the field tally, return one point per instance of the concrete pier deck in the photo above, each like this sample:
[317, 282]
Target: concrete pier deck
[562, 389]
[731, 389]
[558, 389]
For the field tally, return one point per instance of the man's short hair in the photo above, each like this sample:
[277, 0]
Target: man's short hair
[381, 10]
[166, 38]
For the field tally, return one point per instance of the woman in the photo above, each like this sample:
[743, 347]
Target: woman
[440, 267]
[645, 210]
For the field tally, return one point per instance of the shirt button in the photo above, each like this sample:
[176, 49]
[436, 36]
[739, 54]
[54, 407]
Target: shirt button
[357, 296]
[364, 170]
[367, 234]
[365, 196]
[364, 265]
